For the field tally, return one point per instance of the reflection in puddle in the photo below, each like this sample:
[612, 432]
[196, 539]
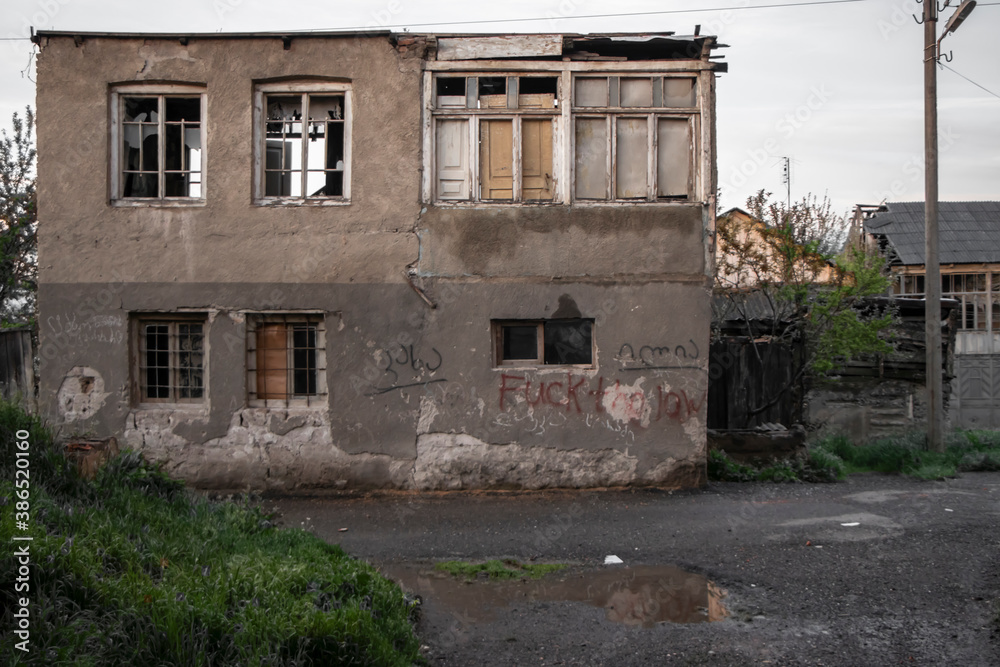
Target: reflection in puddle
[643, 595]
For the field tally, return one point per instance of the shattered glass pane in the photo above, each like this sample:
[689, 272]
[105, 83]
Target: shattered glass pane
[568, 342]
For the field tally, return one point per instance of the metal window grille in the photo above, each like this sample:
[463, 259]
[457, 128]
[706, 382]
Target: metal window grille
[171, 361]
[286, 360]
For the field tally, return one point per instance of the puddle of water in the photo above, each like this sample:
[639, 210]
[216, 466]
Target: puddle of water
[644, 595]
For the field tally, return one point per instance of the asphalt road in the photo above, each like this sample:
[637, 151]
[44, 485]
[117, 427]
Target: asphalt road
[877, 570]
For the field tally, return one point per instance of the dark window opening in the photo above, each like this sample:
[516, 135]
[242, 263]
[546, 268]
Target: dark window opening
[545, 342]
[451, 86]
[538, 85]
[492, 85]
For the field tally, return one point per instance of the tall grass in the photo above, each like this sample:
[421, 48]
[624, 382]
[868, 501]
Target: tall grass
[132, 569]
[907, 453]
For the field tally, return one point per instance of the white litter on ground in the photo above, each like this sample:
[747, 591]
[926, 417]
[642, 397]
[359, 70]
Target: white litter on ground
[613, 560]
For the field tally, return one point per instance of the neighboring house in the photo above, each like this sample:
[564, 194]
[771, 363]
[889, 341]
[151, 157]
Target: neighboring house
[328, 260]
[969, 251]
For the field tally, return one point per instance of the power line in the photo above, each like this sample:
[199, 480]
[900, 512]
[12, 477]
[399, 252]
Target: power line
[604, 16]
[585, 16]
[970, 80]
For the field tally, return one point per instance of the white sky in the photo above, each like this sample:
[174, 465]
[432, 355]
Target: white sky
[838, 88]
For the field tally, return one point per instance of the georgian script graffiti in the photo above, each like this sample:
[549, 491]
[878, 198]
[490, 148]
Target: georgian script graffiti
[653, 357]
[403, 356]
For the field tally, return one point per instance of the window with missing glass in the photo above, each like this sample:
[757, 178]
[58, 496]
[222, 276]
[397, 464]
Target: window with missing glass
[286, 360]
[304, 143]
[564, 342]
[493, 137]
[634, 138]
[171, 364]
[158, 135]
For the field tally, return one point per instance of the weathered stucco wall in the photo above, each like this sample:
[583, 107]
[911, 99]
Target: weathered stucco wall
[414, 399]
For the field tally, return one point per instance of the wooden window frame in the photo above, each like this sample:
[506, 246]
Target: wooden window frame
[172, 321]
[613, 111]
[473, 116]
[315, 399]
[117, 162]
[305, 89]
[539, 362]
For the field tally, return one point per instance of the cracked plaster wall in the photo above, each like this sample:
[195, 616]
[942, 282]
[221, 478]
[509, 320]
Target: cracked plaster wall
[415, 399]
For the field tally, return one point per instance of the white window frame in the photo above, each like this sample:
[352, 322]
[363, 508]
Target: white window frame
[117, 145]
[317, 400]
[473, 117]
[261, 90]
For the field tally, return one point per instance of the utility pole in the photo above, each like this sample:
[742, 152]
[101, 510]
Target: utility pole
[932, 265]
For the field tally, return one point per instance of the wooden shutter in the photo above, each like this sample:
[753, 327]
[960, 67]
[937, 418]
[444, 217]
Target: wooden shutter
[272, 361]
[453, 159]
[536, 156]
[496, 157]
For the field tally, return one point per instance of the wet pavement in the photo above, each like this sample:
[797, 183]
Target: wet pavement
[877, 570]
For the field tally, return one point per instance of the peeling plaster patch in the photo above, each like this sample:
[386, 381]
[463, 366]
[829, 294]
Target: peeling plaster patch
[460, 461]
[254, 455]
[81, 394]
[627, 402]
[283, 427]
[428, 411]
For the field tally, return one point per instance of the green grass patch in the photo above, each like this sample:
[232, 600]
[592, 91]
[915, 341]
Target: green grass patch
[907, 453]
[132, 569]
[508, 568]
[816, 466]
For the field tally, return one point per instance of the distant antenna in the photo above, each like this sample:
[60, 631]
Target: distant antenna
[786, 178]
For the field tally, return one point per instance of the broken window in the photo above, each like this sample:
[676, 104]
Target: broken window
[286, 360]
[159, 140]
[305, 149]
[634, 138]
[564, 342]
[969, 289]
[171, 360]
[493, 138]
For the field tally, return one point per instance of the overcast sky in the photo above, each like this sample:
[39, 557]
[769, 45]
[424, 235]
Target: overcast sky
[838, 88]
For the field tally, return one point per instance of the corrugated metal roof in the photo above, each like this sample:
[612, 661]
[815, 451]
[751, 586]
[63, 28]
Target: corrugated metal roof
[968, 231]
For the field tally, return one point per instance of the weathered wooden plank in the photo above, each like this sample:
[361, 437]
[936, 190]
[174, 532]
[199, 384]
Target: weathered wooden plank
[507, 46]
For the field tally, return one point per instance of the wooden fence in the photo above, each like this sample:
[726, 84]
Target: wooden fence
[745, 375]
[17, 377]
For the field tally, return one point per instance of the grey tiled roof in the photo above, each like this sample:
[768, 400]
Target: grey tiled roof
[968, 231]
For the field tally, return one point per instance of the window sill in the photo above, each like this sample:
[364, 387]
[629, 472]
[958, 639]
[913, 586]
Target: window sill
[546, 367]
[580, 203]
[314, 404]
[298, 201]
[192, 408]
[153, 202]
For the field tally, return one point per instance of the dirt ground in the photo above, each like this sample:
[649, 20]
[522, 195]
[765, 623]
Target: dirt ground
[877, 570]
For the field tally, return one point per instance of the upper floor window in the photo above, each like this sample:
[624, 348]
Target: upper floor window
[493, 137]
[634, 138]
[159, 139]
[304, 143]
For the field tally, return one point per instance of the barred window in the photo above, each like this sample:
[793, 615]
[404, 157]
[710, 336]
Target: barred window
[171, 355]
[286, 360]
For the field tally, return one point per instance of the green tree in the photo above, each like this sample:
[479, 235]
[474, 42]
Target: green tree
[18, 221]
[780, 273]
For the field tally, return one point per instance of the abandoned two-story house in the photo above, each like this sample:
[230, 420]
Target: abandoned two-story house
[374, 260]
